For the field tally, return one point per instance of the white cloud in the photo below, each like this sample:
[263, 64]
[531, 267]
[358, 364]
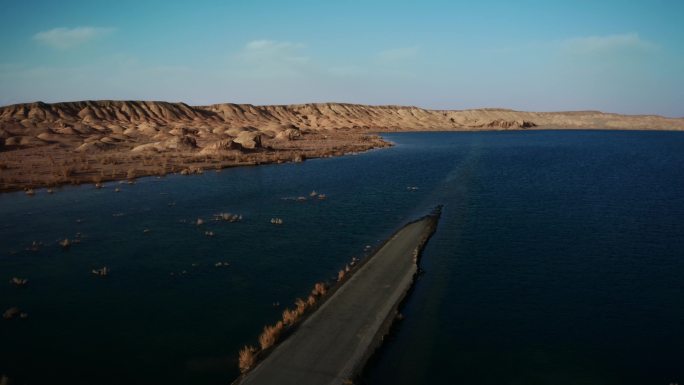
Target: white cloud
[65, 38]
[397, 54]
[271, 50]
[271, 59]
[266, 58]
[608, 43]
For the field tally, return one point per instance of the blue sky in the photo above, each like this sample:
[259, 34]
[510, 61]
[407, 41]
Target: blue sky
[617, 56]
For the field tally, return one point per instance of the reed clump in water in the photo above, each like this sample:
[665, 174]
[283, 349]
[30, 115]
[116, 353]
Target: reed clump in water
[301, 306]
[290, 317]
[270, 335]
[247, 358]
[19, 282]
[319, 289]
[65, 243]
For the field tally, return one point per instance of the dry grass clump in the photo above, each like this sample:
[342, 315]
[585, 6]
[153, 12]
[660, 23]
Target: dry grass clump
[270, 335]
[247, 358]
[343, 273]
[290, 317]
[319, 289]
[301, 306]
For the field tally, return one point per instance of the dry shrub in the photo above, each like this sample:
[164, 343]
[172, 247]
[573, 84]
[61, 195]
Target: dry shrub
[340, 275]
[290, 316]
[311, 301]
[301, 306]
[247, 358]
[319, 289]
[270, 335]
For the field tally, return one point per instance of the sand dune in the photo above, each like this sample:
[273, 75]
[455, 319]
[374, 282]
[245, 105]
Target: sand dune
[74, 142]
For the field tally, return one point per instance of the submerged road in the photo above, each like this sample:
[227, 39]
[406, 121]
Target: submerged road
[334, 343]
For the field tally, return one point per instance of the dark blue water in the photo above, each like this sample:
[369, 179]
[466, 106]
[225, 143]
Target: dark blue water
[558, 260]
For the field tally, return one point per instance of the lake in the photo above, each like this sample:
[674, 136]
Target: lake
[558, 260]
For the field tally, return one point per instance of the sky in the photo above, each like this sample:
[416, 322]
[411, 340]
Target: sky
[613, 55]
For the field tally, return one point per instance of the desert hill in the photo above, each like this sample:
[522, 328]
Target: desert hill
[103, 114]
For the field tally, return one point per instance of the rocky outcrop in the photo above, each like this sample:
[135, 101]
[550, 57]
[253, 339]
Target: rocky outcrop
[287, 132]
[221, 146]
[507, 124]
[288, 135]
[183, 143]
[249, 140]
[93, 147]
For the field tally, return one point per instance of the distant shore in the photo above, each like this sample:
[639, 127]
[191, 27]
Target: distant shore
[36, 170]
[48, 145]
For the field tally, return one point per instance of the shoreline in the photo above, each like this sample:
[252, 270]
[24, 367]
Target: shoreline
[97, 169]
[92, 166]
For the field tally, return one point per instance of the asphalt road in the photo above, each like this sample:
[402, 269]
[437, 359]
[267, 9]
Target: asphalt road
[332, 345]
